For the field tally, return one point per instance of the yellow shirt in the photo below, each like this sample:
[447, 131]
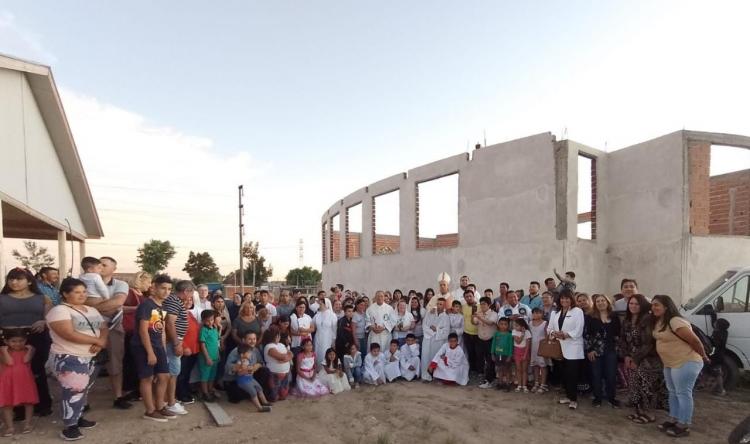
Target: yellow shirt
[672, 350]
[469, 327]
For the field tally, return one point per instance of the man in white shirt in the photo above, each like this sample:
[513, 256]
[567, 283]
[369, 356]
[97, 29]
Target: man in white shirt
[514, 309]
[381, 318]
[265, 300]
[203, 302]
[458, 294]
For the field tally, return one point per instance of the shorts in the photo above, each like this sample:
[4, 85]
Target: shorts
[502, 362]
[174, 363]
[519, 354]
[250, 386]
[116, 349]
[207, 372]
[141, 362]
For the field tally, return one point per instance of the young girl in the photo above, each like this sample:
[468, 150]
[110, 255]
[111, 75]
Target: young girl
[521, 347]
[208, 359]
[502, 352]
[538, 364]
[308, 385]
[17, 386]
[332, 373]
[353, 366]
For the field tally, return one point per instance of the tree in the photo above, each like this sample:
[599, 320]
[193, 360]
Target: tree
[154, 256]
[303, 276]
[250, 251]
[36, 257]
[201, 268]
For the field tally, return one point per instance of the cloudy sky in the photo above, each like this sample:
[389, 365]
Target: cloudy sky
[173, 104]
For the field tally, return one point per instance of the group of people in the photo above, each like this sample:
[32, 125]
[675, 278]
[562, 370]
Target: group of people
[169, 342]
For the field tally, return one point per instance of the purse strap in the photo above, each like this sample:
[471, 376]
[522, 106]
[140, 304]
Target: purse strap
[91, 326]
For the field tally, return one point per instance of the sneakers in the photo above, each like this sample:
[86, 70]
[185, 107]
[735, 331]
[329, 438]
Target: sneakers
[596, 403]
[121, 403]
[84, 423]
[525, 389]
[542, 389]
[155, 416]
[573, 405]
[71, 433]
[177, 409]
[488, 384]
[167, 414]
[186, 400]
[615, 404]
[519, 389]
[564, 401]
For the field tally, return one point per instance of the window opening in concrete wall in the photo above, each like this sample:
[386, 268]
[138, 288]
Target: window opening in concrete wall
[335, 238]
[729, 190]
[324, 236]
[586, 197]
[386, 234]
[354, 231]
[437, 212]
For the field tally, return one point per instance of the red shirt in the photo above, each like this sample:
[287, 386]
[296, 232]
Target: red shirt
[134, 299]
[191, 336]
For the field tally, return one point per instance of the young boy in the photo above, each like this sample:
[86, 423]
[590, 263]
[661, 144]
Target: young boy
[95, 287]
[450, 364]
[374, 366]
[502, 353]
[353, 366]
[456, 321]
[149, 350]
[392, 361]
[566, 282]
[409, 361]
[208, 359]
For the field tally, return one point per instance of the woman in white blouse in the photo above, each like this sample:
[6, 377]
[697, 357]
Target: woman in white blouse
[566, 325]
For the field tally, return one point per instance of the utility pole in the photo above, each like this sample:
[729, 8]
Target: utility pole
[253, 274]
[242, 229]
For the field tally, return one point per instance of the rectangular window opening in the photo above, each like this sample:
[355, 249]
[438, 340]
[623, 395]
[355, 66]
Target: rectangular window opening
[437, 213]
[386, 234]
[336, 238]
[324, 236]
[728, 190]
[354, 231]
[586, 197]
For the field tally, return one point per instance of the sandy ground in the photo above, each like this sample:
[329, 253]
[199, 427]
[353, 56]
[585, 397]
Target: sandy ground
[401, 412]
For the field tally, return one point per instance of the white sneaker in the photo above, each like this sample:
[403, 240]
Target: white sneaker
[177, 409]
[573, 405]
[564, 401]
[485, 385]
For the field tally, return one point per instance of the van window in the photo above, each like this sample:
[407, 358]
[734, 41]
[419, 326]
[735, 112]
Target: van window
[735, 297]
[697, 299]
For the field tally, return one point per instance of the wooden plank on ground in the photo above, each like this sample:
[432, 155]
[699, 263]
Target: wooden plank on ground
[218, 414]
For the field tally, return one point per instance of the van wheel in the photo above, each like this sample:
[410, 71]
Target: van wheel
[731, 373]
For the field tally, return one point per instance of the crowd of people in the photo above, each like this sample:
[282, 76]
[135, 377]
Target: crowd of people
[165, 343]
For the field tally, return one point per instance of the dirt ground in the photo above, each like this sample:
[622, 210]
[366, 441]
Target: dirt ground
[400, 412]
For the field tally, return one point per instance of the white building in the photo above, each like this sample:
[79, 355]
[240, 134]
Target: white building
[44, 194]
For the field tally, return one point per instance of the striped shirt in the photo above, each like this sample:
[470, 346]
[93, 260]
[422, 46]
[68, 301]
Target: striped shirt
[173, 306]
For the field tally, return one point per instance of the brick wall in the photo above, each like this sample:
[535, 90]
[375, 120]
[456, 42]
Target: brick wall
[353, 245]
[335, 246]
[730, 193]
[440, 241]
[699, 167]
[386, 243]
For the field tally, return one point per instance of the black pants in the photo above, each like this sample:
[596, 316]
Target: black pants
[471, 343]
[129, 376]
[570, 371]
[182, 390]
[41, 342]
[485, 358]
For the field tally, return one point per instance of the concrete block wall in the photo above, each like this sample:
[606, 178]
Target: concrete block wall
[517, 219]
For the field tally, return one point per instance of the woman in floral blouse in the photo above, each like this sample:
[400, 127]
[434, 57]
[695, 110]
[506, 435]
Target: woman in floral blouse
[601, 338]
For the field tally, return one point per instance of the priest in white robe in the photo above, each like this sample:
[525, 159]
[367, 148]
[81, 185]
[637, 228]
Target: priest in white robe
[381, 318]
[444, 284]
[409, 361]
[450, 363]
[435, 328]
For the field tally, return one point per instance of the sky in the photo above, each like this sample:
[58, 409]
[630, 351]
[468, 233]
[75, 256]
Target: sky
[174, 104]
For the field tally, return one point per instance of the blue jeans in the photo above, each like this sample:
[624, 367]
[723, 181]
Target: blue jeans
[354, 375]
[363, 347]
[680, 382]
[605, 368]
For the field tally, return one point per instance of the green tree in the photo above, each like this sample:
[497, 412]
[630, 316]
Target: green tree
[201, 268]
[303, 276]
[35, 258]
[154, 256]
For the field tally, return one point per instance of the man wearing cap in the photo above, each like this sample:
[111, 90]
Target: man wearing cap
[444, 281]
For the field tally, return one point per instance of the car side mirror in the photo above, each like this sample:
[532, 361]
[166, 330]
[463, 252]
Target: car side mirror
[720, 304]
[708, 309]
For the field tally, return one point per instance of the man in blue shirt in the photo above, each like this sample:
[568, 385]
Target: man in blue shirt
[49, 278]
[534, 298]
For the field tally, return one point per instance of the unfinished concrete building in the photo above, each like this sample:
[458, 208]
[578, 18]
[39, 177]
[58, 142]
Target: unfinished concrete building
[654, 214]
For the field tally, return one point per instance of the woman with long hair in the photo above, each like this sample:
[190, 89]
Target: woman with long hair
[646, 389]
[683, 355]
[23, 305]
[428, 294]
[278, 359]
[566, 325]
[601, 337]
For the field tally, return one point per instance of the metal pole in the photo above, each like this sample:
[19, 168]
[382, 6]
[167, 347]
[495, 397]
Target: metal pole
[253, 274]
[242, 265]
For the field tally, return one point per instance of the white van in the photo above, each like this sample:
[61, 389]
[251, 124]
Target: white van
[727, 297]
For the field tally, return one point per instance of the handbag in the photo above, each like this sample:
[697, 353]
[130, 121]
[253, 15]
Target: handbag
[101, 358]
[550, 348]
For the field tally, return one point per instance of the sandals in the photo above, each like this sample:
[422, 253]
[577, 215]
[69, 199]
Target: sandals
[27, 429]
[8, 433]
[678, 432]
[666, 425]
[641, 418]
